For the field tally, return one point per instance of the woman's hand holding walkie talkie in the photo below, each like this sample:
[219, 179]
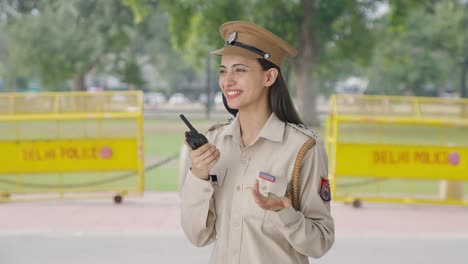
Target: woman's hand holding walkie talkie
[203, 155]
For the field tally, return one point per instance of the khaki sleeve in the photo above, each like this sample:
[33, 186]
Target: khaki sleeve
[198, 215]
[184, 165]
[311, 230]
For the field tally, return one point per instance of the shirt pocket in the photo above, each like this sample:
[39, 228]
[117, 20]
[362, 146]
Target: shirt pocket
[252, 210]
[278, 187]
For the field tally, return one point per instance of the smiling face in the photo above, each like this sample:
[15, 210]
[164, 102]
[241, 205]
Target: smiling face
[244, 83]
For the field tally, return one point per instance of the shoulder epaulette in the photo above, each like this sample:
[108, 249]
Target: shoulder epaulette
[304, 130]
[216, 126]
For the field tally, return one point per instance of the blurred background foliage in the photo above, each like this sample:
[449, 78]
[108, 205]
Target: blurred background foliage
[394, 47]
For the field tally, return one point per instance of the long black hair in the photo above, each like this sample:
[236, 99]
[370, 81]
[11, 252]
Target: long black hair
[279, 100]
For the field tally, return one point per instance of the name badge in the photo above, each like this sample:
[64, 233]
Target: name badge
[266, 176]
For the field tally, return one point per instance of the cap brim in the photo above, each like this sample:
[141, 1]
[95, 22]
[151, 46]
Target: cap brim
[236, 51]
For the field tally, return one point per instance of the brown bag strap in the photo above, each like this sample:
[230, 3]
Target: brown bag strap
[297, 171]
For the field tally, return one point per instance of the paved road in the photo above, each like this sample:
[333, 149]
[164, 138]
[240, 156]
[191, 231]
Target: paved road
[146, 230]
[154, 247]
[98, 248]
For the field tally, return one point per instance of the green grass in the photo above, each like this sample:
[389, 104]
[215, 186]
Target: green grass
[158, 146]
[164, 179]
[164, 138]
[162, 144]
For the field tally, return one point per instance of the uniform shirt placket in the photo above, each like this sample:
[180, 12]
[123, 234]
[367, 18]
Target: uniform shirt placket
[236, 216]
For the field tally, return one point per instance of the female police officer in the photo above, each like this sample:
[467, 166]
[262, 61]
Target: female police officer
[236, 192]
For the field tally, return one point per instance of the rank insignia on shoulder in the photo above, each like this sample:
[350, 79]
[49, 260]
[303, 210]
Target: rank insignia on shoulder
[266, 176]
[325, 190]
[304, 130]
[216, 126]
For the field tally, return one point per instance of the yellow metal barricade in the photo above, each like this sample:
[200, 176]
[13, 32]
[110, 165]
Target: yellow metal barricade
[398, 149]
[71, 145]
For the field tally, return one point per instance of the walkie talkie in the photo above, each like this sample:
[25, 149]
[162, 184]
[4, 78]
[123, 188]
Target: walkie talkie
[194, 139]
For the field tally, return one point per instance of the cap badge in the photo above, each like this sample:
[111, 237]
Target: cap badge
[232, 37]
[231, 41]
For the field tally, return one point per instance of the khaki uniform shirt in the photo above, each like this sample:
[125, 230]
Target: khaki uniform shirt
[223, 210]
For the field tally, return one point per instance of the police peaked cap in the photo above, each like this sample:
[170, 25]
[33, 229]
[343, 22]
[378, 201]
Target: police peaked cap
[249, 40]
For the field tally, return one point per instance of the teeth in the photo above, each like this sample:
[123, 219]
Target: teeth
[231, 93]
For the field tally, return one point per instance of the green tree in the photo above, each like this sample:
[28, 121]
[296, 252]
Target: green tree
[323, 31]
[422, 55]
[9, 74]
[61, 40]
[170, 65]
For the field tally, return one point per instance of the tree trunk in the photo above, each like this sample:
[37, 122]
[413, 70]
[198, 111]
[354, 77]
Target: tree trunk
[208, 87]
[14, 85]
[78, 83]
[304, 67]
[464, 67]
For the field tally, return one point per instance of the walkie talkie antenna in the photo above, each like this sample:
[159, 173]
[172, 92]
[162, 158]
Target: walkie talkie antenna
[188, 123]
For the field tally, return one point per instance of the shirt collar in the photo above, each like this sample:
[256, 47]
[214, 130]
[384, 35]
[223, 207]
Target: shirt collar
[272, 130]
[233, 129]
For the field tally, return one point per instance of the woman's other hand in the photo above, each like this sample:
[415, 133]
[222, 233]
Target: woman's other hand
[272, 203]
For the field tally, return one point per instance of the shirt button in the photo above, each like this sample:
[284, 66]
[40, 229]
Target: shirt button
[235, 223]
[238, 188]
[244, 161]
[235, 251]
